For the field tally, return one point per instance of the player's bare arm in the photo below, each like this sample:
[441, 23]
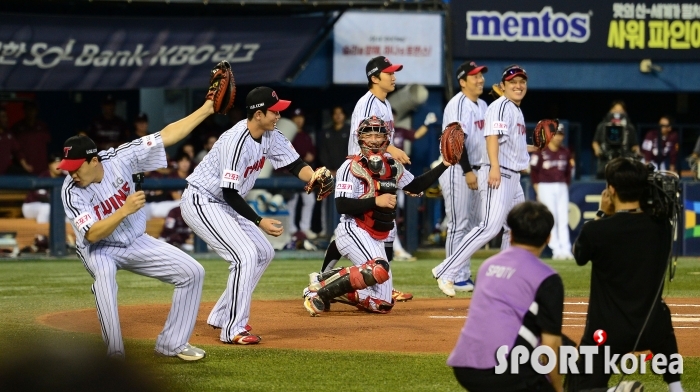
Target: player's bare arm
[554, 342]
[103, 228]
[176, 131]
[306, 173]
[471, 180]
[495, 171]
[398, 154]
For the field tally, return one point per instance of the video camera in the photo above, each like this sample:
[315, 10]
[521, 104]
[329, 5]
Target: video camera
[617, 139]
[662, 198]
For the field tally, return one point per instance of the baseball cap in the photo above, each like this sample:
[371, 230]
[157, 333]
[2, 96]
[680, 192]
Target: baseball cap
[76, 150]
[470, 68]
[512, 71]
[381, 64]
[265, 98]
[297, 112]
[141, 117]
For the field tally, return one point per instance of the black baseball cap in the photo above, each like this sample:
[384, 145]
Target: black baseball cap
[512, 71]
[76, 150]
[142, 117]
[297, 112]
[470, 68]
[265, 98]
[381, 64]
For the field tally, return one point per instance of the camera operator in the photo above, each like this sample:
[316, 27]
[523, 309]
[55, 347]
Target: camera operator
[629, 250]
[625, 142]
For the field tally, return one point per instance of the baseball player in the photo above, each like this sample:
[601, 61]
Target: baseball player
[499, 179]
[365, 195]
[214, 206]
[380, 81]
[550, 172]
[106, 210]
[459, 183]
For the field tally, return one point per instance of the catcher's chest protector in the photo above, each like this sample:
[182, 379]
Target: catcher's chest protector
[378, 221]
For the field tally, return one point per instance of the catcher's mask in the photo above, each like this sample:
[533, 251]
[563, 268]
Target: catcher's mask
[373, 138]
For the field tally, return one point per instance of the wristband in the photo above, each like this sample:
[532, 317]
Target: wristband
[601, 214]
[258, 220]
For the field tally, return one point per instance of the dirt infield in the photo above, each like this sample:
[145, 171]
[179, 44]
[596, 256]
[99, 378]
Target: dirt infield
[428, 325]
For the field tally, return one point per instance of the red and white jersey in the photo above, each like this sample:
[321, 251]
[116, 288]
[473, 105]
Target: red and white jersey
[85, 206]
[348, 185]
[471, 116]
[505, 119]
[369, 105]
[236, 158]
[551, 166]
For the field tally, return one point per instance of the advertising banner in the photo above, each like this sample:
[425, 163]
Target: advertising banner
[101, 53]
[580, 30]
[413, 40]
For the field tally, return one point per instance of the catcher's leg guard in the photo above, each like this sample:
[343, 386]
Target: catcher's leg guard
[350, 279]
[332, 256]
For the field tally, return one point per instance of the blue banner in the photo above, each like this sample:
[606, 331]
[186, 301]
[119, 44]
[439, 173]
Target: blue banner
[100, 53]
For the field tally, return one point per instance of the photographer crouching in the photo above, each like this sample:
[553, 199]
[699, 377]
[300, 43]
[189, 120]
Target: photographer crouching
[629, 246]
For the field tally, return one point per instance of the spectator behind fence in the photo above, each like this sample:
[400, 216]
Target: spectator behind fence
[141, 125]
[37, 205]
[175, 231]
[207, 147]
[33, 136]
[617, 116]
[304, 145]
[108, 130]
[332, 148]
[666, 157]
[160, 202]
[11, 158]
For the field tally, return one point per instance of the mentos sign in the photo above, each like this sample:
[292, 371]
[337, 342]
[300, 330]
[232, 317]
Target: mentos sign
[543, 26]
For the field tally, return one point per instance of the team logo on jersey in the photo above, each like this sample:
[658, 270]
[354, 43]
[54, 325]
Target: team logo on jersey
[479, 124]
[65, 151]
[521, 128]
[148, 141]
[113, 203]
[343, 186]
[231, 176]
[499, 126]
[254, 167]
[82, 220]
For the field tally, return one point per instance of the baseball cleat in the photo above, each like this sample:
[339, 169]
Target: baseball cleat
[191, 353]
[466, 285]
[313, 278]
[446, 286]
[314, 305]
[246, 338]
[248, 328]
[400, 296]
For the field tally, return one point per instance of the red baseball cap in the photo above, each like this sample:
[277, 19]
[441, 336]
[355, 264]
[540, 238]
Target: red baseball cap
[381, 64]
[265, 98]
[512, 71]
[76, 150]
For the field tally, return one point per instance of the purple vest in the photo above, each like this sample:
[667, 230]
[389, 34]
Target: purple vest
[505, 288]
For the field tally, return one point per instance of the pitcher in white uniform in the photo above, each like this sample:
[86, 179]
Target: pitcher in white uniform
[106, 210]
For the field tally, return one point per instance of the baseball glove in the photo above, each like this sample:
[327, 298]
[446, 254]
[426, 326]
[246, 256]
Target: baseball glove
[222, 88]
[496, 91]
[452, 143]
[321, 182]
[544, 132]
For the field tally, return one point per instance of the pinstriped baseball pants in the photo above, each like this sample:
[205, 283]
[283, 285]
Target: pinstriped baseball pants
[149, 257]
[242, 244]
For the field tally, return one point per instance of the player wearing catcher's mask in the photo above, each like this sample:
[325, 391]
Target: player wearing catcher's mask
[365, 195]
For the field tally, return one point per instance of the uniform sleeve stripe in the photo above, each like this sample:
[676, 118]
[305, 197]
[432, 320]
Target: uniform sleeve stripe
[459, 108]
[237, 151]
[368, 107]
[113, 154]
[69, 199]
[501, 109]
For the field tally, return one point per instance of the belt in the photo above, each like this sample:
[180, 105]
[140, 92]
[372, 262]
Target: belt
[475, 167]
[505, 168]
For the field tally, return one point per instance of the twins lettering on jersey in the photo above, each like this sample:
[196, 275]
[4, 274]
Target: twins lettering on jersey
[254, 167]
[479, 124]
[110, 205]
[521, 128]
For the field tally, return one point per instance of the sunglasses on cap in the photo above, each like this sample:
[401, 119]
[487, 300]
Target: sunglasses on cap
[512, 72]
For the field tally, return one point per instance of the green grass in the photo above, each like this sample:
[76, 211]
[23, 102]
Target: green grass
[31, 288]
